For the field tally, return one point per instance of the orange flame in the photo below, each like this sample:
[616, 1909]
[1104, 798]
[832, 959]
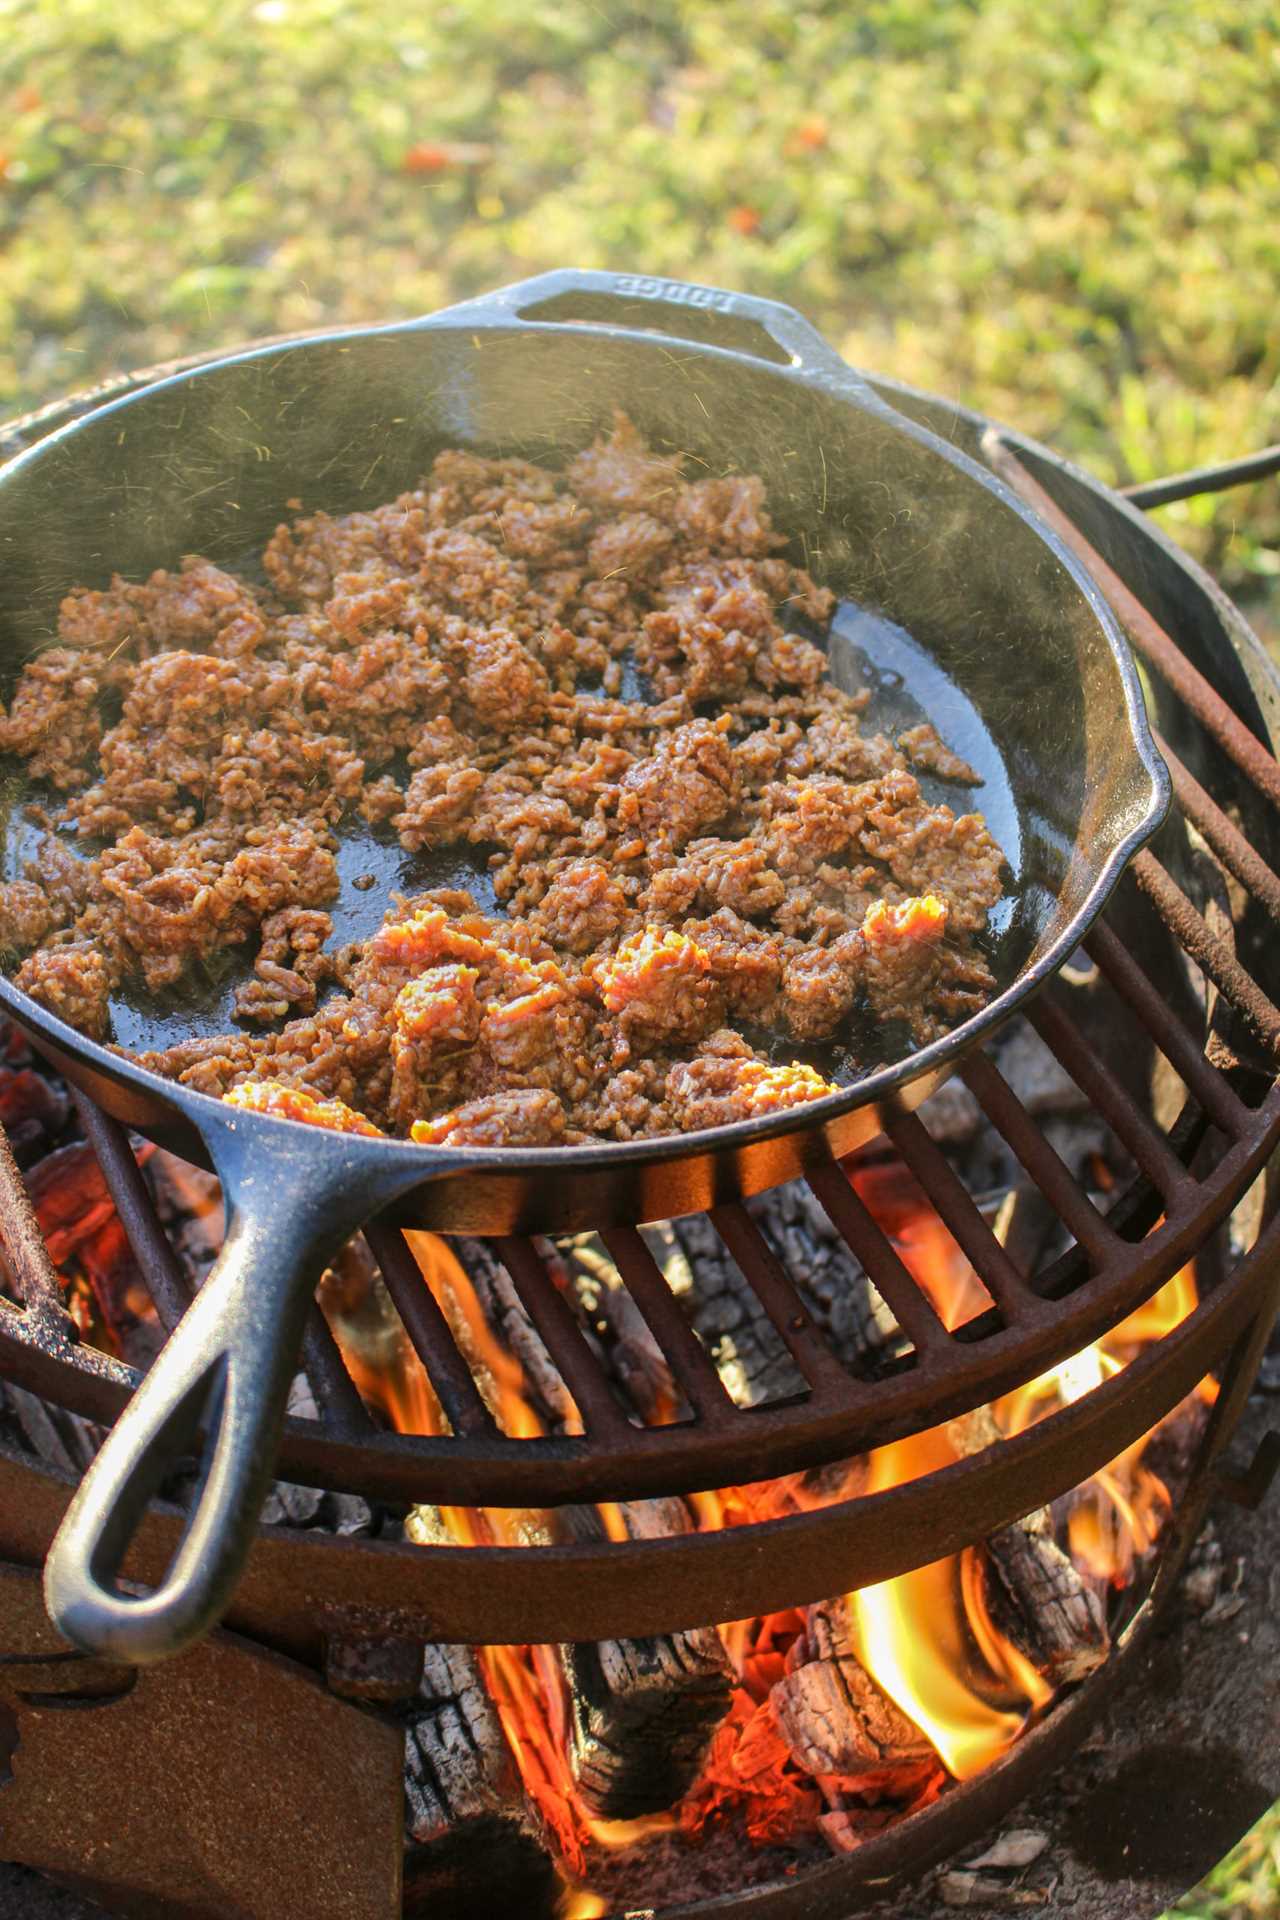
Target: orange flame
[935, 1262]
[928, 1638]
[915, 1636]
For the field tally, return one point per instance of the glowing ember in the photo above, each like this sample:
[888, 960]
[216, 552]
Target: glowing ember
[914, 1636]
[926, 1645]
[927, 1640]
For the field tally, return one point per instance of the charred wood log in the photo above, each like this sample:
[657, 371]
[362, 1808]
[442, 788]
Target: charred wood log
[471, 1846]
[509, 1321]
[832, 1715]
[1037, 1597]
[1034, 1592]
[644, 1711]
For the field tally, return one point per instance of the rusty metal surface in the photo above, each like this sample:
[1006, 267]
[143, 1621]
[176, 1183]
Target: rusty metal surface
[231, 1785]
[837, 1416]
[300, 1587]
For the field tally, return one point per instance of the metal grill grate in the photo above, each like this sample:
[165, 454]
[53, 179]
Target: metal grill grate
[1118, 1258]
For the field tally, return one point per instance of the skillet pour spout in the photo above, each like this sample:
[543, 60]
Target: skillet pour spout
[918, 541]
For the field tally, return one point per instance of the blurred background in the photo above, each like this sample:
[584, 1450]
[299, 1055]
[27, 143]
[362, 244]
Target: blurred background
[1066, 217]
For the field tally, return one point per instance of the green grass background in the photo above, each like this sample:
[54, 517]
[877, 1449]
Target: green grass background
[1068, 216]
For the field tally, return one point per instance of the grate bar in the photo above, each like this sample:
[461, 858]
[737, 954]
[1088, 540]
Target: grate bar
[1213, 712]
[337, 1395]
[1148, 1147]
[1222, 834]
[1047, 1168]
[962, 1219]
[1176, 1043]
[867, 1240]
[430, 1334]
[602, 1418]
[166, 1280]
[1207, 950]
[694, 1370]
[778, 1295]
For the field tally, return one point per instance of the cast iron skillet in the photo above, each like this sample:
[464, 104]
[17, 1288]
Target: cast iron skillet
[947, 578]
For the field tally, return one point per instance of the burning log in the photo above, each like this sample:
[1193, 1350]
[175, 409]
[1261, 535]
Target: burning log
[841, 1299]
[644, 1711]
[507, 1320]
[1039, 1600]
[831, 1714]
[1032, 1590]
[728, 1319]
[471, 1845]
[722, 1308]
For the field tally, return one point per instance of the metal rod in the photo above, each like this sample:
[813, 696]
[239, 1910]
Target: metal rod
[1222, 834]
[166, 1280]
[694, 1370]
[1162, 652]
[1049, 1171]
[1207, 950]
[777, 1294]
[563, 1338]
[1179, 1047]
[1215, 479]
[336, 1393]
[954, 1206]
[893, 1281]
[1144, 1142]
[430, 1334]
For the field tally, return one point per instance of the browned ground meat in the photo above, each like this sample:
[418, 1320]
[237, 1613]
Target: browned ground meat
[734, 856]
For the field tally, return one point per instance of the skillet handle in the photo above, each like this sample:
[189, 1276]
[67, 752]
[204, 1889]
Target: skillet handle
[227, 1367]
[635, 302]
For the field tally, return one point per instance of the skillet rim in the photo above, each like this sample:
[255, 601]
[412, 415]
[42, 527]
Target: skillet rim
[213, 1119]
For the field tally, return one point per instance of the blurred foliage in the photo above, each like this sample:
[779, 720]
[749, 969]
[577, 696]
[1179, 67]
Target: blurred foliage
[1069, 218]
[1247, 1884]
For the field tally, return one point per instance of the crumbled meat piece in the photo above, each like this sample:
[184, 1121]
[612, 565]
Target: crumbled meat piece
[54, 720]
[689, 785]
[621, 475]
[727, 515]
[437, 1017]
[728, 1083]
[450, 669]
[583, 907]
[524, 1117]
[630, 544]
[267, 775]
[661, 987]
[722, 873]
[807, 822]
[290, 967]
[905, 961]
[925, 750]
[437, 806]
[507, 687]
[820, 986]
[930, 850]
[294, 1103]
[26, 915]
[746, 962]
[73, 982]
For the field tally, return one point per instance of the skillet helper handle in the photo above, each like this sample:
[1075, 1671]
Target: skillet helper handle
[227, 1369]
[641, 303]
